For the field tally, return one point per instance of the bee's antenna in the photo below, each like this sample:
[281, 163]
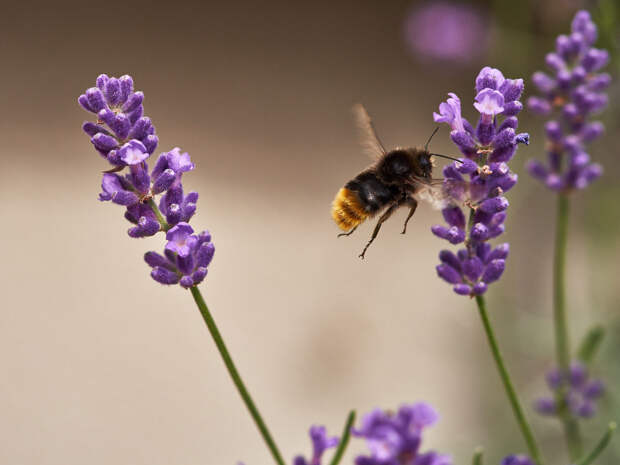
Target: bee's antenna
[446, 156]
[429, 139]
[438, 154]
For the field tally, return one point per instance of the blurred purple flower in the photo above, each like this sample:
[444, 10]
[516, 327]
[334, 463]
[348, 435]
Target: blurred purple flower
[517, 460]
[447, 31]
[320, 443]
[575, 89]
[395, 439]
[581, 392]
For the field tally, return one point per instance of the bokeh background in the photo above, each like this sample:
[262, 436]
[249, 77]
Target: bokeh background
[101, 365]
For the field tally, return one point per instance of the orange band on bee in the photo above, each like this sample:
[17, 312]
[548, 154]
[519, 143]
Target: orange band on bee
[346, 210]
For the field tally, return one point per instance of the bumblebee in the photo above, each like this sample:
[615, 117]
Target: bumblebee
[398, 178]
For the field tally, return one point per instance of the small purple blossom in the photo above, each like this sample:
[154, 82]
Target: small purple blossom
[320, 443]
[126, 143]
[450, 112]
[575, 91]
[479, 181]
[395, 439]
[448, 31]
[186, 259]
[580, 392]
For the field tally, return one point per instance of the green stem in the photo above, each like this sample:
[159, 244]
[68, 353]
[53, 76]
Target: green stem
[600, 447]
[508, 386]
[477, 459]
[234, 374]
[344, 439]
[562, 343]
[162, 221]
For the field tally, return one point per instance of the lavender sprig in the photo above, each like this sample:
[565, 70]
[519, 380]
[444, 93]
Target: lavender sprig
[479, 182]
[126, 139]
[574, 92]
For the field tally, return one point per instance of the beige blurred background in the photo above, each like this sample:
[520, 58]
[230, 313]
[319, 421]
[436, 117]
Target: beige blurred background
[102, 365]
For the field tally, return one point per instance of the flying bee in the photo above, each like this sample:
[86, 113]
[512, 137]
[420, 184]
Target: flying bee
[398, 178]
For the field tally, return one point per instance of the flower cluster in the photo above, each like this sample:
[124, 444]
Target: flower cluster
[395, 439]
[581, 392]
[320, 443]
[126, 139]
[130, 136]
[478, 182]
[576, 90]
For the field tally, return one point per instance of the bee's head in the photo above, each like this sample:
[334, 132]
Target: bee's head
[424, 165]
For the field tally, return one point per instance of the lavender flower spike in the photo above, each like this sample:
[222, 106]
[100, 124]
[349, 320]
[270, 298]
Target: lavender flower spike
[571, 95]
[127, 142]
[476, 185]
[395, 439]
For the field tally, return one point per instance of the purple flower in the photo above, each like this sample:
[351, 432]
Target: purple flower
[395, 439]
[186, 259]
[489, 103]
[127, 142]
[320, 443]
[474, 188]
[121, 134]
[447, 31]
[574, 92]
[450, 112]
[517, 460]
[579, 390]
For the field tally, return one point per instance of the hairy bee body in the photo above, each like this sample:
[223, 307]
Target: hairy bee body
[387, 182]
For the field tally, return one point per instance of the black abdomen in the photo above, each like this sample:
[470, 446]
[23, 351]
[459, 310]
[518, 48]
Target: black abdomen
[372, 192]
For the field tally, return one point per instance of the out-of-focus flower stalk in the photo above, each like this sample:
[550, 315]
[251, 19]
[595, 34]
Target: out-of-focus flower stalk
[576, 89]
[524, 426]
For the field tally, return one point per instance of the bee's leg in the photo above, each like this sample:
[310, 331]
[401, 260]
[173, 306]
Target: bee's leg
[383, 218]
[413, 204]
[348, 233]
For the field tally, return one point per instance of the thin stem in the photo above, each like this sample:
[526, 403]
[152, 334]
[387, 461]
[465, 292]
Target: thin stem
[508, 386]
[600, 447]
[344, 439]
[234, 374]
[162, 221]
[562, 347]
[477, 459]
[562, 342]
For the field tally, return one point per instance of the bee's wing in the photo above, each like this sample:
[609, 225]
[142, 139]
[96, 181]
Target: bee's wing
[368, 136]
[444, 193]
